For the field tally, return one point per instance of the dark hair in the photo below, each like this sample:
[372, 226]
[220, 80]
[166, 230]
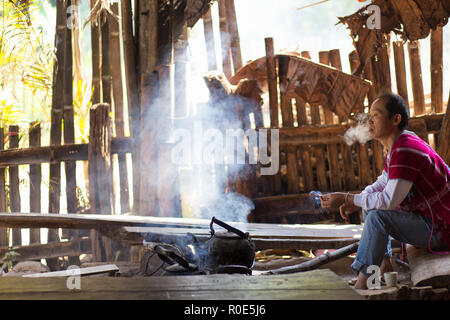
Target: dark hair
[395, 104]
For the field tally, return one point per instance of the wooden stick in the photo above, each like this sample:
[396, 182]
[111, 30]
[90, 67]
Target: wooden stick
[14, 194]
[234, 35]
[324, 58]
[285, 101]
[3, 231]
[35, 180]
[319, 261]
[209, 40]
[416, 77]
[437, 90]
[381, 69]
[272, 82]
[225, 40]
[116, 74]
[100, 178]
[132, 92]
[105, 60]
[96, 56]
[444, 136]
[400, 70]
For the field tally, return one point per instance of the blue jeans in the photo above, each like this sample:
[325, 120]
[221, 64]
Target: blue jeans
[380, 225]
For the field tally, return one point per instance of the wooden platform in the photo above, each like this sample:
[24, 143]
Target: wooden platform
[312, 285]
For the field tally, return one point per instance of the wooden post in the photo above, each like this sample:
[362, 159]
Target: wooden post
[285, 101]
[335, 62]
[4, 239]
[96, 56]
[324, 58]
[416, 77]
[436, 51]
[14, 195]
[444, 136]
[100, 182]
[400, 70]
[209, 40]
[235, 45]
[381, 69]
[225, 40]
[35, 180]
[116, 73]
[314, 109]
[272, 82]
[105, 61]
[132, 93]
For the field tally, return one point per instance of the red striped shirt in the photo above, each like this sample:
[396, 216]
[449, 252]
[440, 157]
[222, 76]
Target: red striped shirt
[414, 160]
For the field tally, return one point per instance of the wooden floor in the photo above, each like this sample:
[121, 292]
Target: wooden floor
[312, 285]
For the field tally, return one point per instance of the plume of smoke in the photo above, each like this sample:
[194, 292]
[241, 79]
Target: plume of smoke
[360, 133]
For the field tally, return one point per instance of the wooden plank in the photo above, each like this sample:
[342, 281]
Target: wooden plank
[225, 40]
[312, 285]
[292, 171]
[116, 74]
[39, 251]
[381, 68]
[257, 230]
[96, 57]
[335, 62]
[324, 58]
[4, 239]
[334, 169]
[14, 194]
[416, 77]
[34, 134]
[428, 269]
[365, 177]
[444, 136]
[347, 161]
[132, 91]
[285, 101]
[300, 107]
[100, 178]
[437, 89]
[209, 40]
[110, 269]
[272, 82]
[400, 70]
[234, 35]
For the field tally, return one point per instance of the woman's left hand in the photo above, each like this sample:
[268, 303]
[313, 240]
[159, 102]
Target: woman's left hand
[333, 200]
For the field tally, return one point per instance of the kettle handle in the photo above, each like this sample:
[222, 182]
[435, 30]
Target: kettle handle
[228, 227]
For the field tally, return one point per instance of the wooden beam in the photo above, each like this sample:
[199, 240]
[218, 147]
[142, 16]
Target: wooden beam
[444, 136]
[416, 78]
[110, 269]
[436, 52]
[225, 40]
[235, 45]
[427, 268]
[400, 70]
[35, 180]
[37, 251]
[272, 82]
[209, 40]
[14, 194]
[4, 239]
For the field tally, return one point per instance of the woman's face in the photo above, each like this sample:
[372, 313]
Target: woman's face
[380, 124]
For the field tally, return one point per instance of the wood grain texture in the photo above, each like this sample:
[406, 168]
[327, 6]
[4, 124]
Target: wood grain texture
[313, 285]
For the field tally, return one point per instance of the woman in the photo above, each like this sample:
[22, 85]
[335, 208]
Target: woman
[410, 201]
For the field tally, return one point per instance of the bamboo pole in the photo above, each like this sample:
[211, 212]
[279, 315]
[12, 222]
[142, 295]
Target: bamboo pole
[56, 119]
[100, 178]
[116, 74]
[34, 134]
[14, 195]
[209, 40]
[129, 48]
[324, 58]
[225, 40]
[381, 69]
[400, 70]
[96, 56]
[437, 90]
[4, 239]
[444, 136]
[314, 109]
[235, 45]
[272, 82]
[105, 60]
[335, 62]
[416, 77]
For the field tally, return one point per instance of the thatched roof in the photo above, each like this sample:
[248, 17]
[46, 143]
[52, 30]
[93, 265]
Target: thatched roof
[312, 82]
[411, 19]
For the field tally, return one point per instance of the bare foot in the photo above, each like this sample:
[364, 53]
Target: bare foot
[361, 283]
[386, 266]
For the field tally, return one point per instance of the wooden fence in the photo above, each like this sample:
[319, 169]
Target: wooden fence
[313, 156]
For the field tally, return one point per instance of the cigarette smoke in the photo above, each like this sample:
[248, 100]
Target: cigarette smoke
[360, 133]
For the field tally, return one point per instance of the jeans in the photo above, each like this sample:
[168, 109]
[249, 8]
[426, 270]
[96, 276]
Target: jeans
[380, 225]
